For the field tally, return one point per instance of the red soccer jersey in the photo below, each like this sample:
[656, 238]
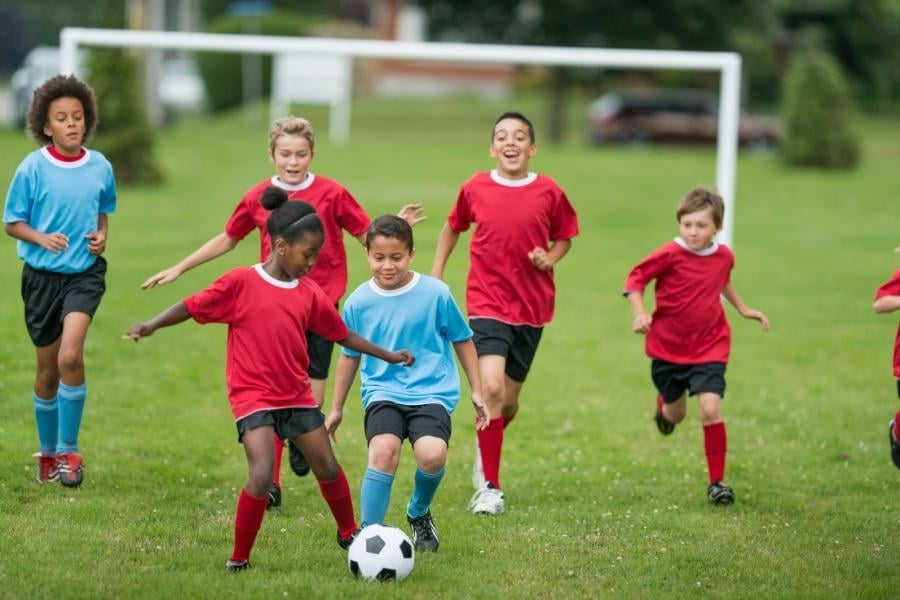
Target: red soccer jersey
[334, 205]
[266, 354]
[512, 217]
[892, 288]
[689, 325]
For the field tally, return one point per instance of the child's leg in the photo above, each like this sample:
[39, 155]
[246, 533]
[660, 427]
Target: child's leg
[278, 449]
[714, 436]
[493, 390]
[431, 456]
[674, 412]
[330, 476]
[375, 492]
[512, 389]
[251, 505]
[44, 397]
[72, 387]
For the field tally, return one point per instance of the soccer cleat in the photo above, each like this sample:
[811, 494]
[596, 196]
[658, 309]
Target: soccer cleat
[47, 470]
[895, 444]
[274, 498]
[720, 494]
[71, 469]
[477, 469]
[237, 565]
[344, 542]
[665, 426]
[487, 501]
[299, 464]
[424, 535]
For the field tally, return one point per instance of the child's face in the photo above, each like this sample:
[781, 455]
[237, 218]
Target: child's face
[511, 148]
[292, 156]
[698, 229]
[65, 125]
[297, 258]
[389, 260]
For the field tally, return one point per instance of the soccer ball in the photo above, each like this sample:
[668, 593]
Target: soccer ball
[381, 553]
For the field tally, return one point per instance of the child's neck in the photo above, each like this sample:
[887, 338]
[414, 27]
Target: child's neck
[272, 268]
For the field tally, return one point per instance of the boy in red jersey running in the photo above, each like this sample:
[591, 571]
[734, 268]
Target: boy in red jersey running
[268, 309]
[524, 226]
[291, 149]
[887, 299]
[688, 338]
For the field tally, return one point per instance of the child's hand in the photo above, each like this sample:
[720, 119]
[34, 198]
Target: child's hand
[97, 242]
[332, 422]
[403, 356]
[55, 242]
[540, 259]
[641, 323]
[481, 414]
[412, 214]
[161, 278]
[138, 331]
[755, 314]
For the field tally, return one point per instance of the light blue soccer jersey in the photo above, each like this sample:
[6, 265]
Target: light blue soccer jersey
[52, 196]
[421, 317]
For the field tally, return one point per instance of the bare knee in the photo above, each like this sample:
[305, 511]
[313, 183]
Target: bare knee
[709, 409]
[47, 380]
[384, 459]
[492, 390]
[259, 478]
[71, 361]
[431, 462]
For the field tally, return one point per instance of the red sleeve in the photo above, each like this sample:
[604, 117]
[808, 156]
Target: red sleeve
[564, 221]
[216, 303]
[241, 223]
[891, 287]
[351, 216]
[647, 270]
[461, 214]
[324, 318]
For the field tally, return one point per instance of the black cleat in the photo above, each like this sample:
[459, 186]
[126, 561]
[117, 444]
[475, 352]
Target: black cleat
[274, 498]
[344, 542]
[720, 494]
[299, 464]
[236, 566]
[895, 445]
[424, 535]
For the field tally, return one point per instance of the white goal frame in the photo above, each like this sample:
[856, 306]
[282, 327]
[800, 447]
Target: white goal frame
[727, 64]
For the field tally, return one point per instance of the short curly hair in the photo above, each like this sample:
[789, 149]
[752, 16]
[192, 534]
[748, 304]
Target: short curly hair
[60, 86]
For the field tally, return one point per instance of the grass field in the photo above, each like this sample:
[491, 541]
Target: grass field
[599, 504]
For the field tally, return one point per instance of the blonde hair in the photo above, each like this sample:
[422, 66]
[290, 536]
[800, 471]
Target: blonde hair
[701, 198]
[291, 126]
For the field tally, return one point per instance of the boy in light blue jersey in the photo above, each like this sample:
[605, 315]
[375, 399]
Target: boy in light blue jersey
[57, 207]
[399, 306]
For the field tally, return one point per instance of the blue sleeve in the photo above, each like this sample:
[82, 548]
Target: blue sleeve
[19, 198]
[108, 194]
[452, 322]
[348, 314]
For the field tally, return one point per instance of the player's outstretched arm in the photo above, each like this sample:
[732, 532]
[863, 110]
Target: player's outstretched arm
[446, 242]
[748, 313]
[545, 259]
[361, 344]
[214, 248]
[175, 314]
[887, 304]
[642, 320]
[412, 214]
[343, 379]
[468, 359]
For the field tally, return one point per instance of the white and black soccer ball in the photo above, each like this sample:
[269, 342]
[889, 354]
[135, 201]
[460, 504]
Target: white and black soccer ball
[381, 553]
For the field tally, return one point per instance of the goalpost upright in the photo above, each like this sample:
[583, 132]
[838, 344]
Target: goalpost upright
[728, 64]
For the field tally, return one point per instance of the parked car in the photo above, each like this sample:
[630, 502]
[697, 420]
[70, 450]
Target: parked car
[671, 115]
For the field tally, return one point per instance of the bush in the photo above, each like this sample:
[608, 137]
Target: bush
[222, 73]
[817, 112]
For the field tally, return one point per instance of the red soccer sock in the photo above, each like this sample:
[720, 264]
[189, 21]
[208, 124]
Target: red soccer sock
[337, 494]
[716, 444]
[897, 426]
[279, 451]
[247, 520]
[508, 420]
[490, 440]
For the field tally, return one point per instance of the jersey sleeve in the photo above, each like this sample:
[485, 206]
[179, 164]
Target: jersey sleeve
[351, 216]
[108, 193]
[19, 198]
[241, 223]
[646, 271]
[451, 322]
[216, 303]
[891, 287]
[564, 221]
[460, 217]
[349, 315]
[324, 319]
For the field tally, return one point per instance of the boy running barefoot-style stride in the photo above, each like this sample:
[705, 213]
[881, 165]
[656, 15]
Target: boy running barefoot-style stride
[688, 338]
[269, 308]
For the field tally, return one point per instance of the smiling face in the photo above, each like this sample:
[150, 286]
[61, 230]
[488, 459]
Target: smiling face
[698, 229]
[295, 259]
[512, 148]
[389, 260]
[65, 125]
[292, 155]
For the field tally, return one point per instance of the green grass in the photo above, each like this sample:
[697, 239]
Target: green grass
[598, 503]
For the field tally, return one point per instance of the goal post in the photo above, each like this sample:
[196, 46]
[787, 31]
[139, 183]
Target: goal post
[727, 64]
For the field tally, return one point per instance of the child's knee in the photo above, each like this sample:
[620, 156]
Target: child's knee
[71, 360]
[431, 461]
[492, 390]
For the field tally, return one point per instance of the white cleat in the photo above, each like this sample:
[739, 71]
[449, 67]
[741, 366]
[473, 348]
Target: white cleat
[477, 470]
[487, 501]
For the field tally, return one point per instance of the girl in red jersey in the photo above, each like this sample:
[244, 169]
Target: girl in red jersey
[887, 299]
[291, 149]
[688, 337]
[269, 308]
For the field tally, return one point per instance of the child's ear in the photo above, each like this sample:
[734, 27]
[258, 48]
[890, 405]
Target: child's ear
[280, 247]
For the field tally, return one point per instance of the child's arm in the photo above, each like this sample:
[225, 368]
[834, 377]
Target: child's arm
[468, 358]
[175, 314]
[97, 238]
[748, 313]
[887, 304]
[54, 242]
[545, 259]
[642, 320]
[360, 344]
[446, 242]
[214, 248]
[343, 379]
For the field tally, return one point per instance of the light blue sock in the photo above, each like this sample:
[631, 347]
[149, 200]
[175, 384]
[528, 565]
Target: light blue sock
[46, 414]
[423, 492]
[375, 495]
[71, 405]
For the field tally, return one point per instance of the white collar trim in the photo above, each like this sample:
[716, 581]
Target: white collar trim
[65, 164]
[287, 285]
[705, 252]
[398, 291]
[495, 175]
[303, 185]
